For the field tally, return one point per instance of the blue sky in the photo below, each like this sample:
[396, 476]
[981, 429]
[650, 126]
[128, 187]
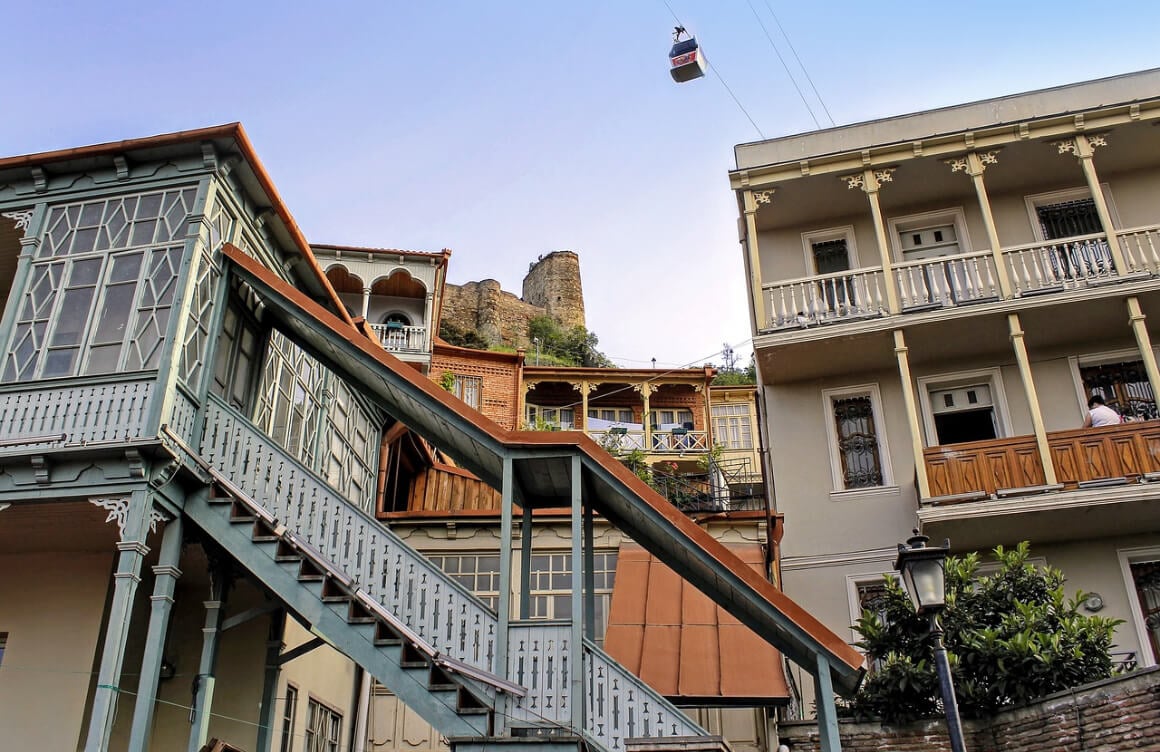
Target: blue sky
[505, 130]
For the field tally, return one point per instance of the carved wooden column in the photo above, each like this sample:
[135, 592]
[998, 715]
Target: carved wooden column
[220, 577]
[646, 389]
[902, 352]
[366, 302]
[428, 324]
[870, 181]
[1144, 342]
[974, 164]
[1083, 147]
[751, 201]
[1016, 329]
[135, 517]
[586, 388]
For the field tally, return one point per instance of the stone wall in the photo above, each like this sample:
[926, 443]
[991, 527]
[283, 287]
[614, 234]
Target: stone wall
[551, 288]
[1106, 716]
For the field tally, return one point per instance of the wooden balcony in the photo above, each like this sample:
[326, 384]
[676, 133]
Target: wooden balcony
[1081, 456]
[399, 338]
[675, 441]
[1034, 269]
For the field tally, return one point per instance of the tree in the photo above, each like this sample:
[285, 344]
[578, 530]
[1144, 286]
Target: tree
[575, 346]
[1012, 636]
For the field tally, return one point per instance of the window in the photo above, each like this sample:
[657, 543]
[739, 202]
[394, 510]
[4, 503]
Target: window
[290, 398]
[831, 250]
[1146, 580]
[551, 588]
[858, 454]
[288, 713]
[100, 290]
[964, 406]
[732, 426]
[665, 419]
[237, 358]
[613, 414]
[867, 593]
[562, 417]
[479, 573]
[1123, 385]
[323, 728]
[3, 645]
[468, 389]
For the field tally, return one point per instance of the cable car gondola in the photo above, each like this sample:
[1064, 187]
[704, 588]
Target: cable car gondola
[685, 57]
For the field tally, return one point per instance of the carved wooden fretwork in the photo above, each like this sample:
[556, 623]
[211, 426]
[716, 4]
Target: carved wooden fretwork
[21, 217]
[117, 507]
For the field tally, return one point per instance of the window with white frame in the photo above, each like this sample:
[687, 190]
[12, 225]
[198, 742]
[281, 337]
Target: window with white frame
[929, 234]
[858, 454]
[289, 709]
[964, 406]
[678, 418]
[479, 573]
[238, 351]
[101, 287]
[551, 586]
[561, 417]
[3, 645]
[468, 388]
[733, 425]
[1141, 571]
[323, 728]
[611, 414]
[830, 250]
[290, 397]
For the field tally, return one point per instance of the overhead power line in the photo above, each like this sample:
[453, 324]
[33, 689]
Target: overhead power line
[802, 65]
[784, 65]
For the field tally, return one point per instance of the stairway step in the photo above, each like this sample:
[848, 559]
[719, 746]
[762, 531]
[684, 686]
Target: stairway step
[286, 552]
[385, 636]
[307, 572]
[356, 614]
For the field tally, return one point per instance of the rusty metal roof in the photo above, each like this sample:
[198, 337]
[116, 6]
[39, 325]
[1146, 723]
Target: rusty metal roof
[682, 644]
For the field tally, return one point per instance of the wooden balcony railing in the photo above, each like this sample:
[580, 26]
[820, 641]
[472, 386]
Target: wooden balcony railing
[1079, 456]
[663, 442]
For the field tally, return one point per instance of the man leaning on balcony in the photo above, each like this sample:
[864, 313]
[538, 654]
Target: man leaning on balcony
[1100, 414]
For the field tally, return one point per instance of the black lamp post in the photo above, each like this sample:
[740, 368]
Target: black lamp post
[923, 570]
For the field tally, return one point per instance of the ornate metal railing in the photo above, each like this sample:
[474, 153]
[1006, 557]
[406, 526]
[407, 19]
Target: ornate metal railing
[76, 414]
[823, 298]
[947, 281]
[1059, 264]
[401, 338]
[620, 706]
[1141, 248]
[429, 602]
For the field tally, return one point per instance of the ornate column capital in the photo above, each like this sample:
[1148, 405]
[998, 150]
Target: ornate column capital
[21, 217]
[869, 180]
[973, 163]
[754, 200]
[646, 389]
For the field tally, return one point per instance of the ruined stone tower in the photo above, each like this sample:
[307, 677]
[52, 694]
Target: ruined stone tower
[551, 288]
[553, 283]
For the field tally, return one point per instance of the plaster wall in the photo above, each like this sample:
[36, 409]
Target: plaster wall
[51, 606]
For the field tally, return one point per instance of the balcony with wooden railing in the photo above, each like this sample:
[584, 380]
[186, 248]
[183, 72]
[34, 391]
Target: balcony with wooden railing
[675, 441]
[1034, 269]
[1127, 453]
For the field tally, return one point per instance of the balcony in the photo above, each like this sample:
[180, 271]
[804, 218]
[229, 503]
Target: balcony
[400, 338]
[1034, 269]
[1082, 458]
[676, 441]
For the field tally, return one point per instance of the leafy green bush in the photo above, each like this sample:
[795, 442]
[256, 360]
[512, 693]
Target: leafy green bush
[1012, 637]
[575, 346]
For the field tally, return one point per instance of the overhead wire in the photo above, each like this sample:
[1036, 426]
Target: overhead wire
[802, 65]
[717, 73]
[784, 65]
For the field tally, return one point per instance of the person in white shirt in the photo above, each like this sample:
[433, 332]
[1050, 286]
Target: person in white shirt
[1100, 414]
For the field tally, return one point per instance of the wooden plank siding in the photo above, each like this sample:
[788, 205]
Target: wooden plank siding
[1128, 450]
[444, 488]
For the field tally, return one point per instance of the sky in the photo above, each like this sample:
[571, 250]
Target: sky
[506, 130]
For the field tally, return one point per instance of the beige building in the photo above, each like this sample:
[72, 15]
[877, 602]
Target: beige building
[934, 299]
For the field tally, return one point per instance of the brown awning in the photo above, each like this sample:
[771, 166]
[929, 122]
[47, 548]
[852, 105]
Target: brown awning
[682, 644]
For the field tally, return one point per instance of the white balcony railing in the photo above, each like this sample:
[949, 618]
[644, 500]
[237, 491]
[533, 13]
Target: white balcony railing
[1141, 247]
[663, 442]
[857, 293]
[398, 338]
[947, 281]
[1048, 266]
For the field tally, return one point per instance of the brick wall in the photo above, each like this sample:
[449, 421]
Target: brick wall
[1106, 716]
[499, 373]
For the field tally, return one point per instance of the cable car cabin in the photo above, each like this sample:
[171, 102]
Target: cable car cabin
[686, 60]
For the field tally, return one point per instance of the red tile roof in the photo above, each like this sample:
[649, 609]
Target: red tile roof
[686, 647]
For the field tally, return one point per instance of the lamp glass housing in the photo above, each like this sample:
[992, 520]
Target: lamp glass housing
[925, 579]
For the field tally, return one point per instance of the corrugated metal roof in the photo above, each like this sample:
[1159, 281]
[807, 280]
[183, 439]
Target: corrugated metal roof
[682, 644]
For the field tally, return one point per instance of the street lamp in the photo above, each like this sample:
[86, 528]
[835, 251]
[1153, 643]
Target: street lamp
[923, 570]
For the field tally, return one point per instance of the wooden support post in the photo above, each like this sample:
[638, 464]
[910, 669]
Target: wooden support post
[750, 201]
[829, 740]
[504, 609]
[1024, 362]
[976, 165]
[133, 514]
[870, 183]
[526, 534]
[910, 401]
[273, 672]
[1084, 152]
[589, 571]
[576, 656]
[1137, 319]
[165, 574]
[210, 639]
